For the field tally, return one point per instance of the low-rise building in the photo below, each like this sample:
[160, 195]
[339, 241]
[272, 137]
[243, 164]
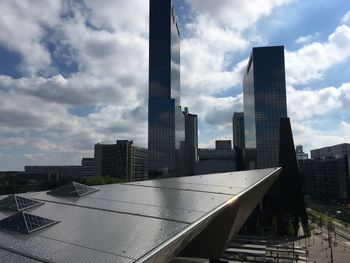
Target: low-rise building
[327, 175]
[123, 160]
[218, 160]
[334, 151]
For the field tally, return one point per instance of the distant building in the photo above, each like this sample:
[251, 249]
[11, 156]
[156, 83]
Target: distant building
[264, 96]
[65, 171]
[218, 160]
[106, 160]
[123, 160]
[191, 142]
[334, 151]
[238, 130]
[88, 165]
[131, 161]
[326, 175]
[300, 153]
[223, 145]
[326, 179]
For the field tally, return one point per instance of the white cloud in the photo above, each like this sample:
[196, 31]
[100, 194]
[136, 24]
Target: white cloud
[306, 104]
[304, 133]
[22, 29]
[236, 14]
[217, 111]
[346, 17]
[307, 109]
[311, 61]
[303, 39]
[216, 34]
[111, 52]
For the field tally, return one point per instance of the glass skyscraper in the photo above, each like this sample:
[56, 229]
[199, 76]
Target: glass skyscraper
[264, 90]
[166, 123]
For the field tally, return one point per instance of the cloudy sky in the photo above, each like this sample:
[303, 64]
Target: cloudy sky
[74, 73]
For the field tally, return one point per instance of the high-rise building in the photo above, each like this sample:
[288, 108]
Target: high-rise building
[166, 123]
[238, 130]
[264, 89]
[191, 141]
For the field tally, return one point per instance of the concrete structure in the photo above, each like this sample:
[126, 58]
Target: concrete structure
[166, 122]
[191, 142]
[149, 221]
[123, 160]
[238, 130]
[300, 153]
[89, 166]
[264, 90]
[131, 161]
[218, 160]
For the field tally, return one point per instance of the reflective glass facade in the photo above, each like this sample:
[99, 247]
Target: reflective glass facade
[166, 123]
[264, 89]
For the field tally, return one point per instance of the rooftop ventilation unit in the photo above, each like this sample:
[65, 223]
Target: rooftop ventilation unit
[73, 189]
[17, 203]
[24, 222]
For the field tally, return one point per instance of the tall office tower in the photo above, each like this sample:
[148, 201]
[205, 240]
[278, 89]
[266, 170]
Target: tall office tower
[264, 89]
[166, 123]
[238, 130]
[191, 142]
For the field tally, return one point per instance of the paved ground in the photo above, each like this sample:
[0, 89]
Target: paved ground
[319, 251]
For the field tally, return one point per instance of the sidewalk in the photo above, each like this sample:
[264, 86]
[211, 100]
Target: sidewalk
[319, 251]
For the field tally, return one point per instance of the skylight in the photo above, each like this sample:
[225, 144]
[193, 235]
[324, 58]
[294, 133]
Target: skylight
[17, 203]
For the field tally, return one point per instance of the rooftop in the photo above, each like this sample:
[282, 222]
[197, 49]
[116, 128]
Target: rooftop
[128, 222]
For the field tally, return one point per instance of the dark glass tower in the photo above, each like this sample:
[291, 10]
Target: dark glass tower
[264, 89]
[238, 130]
[166, 124]
[191, 141]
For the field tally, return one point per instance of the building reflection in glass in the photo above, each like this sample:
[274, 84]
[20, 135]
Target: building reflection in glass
[264, 89]
[166, 123]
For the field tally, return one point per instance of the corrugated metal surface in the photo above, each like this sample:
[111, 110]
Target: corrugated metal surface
[122, 223]
[10, 257]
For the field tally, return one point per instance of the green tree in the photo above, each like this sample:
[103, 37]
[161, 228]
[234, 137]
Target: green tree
[330, 225]
[100, 180]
